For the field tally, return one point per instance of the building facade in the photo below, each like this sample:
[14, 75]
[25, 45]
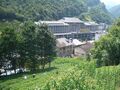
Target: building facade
[64, 47]
[72, 47]
[73, 28]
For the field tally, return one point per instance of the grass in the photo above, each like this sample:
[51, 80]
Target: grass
[66, 74]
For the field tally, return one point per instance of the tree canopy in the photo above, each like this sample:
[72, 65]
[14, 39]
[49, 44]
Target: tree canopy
[107, 49]
[53, 10]
[26, 46]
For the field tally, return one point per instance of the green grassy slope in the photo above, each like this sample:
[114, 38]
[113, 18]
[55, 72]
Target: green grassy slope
[66, 74]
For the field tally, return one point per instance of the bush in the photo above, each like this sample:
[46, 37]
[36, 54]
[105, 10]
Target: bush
[106, 50]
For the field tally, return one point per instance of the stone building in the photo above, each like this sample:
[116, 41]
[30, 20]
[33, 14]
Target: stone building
[84, 49]
[72, 47]
[64, 47]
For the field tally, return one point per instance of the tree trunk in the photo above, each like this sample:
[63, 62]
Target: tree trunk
[15, 71]
[6, 72]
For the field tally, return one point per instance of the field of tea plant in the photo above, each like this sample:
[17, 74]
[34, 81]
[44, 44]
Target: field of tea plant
[66, 74]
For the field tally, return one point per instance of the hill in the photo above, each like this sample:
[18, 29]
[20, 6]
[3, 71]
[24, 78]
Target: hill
[115, 11]
[9, 15]
[55, 9]
[66, 74]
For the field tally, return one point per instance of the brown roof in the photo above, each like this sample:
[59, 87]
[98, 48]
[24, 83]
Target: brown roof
[63, 42]
[87, 47]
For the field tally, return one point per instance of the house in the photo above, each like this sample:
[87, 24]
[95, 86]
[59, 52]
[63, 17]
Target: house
[92, 26]
[72, 47]
[72, 27]
[74, 23]
[76, 43]
[83, 50]
[84, 35]
[56, 27]
[64, 47]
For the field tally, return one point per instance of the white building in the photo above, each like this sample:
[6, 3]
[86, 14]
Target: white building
[74, 23]
[71, 27]
[55, 26]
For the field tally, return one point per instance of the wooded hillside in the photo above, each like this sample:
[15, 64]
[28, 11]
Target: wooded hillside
[53, 10]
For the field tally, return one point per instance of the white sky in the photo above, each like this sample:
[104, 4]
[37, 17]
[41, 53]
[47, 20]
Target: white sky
[111, 3]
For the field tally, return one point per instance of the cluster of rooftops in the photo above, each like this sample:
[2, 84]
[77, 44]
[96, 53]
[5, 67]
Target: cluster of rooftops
[63, 42]
[72, 27]
[72, 33]
[65, 21]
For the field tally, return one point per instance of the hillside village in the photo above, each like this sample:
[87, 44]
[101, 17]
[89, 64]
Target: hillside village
[59, 45]
[74, 37]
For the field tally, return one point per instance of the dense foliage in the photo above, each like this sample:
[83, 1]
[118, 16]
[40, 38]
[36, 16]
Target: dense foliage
[27, 46]
[107, 49]
[54, 9]
[98, 14]
[7, 14]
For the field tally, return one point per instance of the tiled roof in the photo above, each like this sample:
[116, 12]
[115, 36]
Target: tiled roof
[71, 20]
[52, 23]
[90, 23]
[76, 42]
[69, 33]
[86, 47]
[63, 42]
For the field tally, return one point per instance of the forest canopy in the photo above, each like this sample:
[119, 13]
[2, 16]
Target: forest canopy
[54, 10]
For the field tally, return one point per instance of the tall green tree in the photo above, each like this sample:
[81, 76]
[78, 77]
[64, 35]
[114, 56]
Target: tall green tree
[107, 49]
[39, 45]
[47, 44]
[26, 46]
[29, 43]
[8, 48]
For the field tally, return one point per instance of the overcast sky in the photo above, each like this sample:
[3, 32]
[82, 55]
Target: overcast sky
[111, 3]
